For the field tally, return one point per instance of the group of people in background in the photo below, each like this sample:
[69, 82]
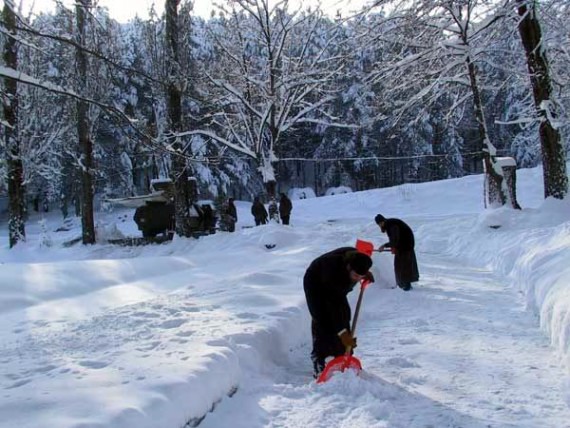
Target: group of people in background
[261, 216]
[331, 276]
[258, 211]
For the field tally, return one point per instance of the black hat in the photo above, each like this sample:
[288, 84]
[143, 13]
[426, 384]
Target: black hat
[379, 218]
[359, 262]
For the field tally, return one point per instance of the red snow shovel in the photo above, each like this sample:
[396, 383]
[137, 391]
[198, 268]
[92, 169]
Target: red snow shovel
[368, 248]
[346, 361]
[365, 247]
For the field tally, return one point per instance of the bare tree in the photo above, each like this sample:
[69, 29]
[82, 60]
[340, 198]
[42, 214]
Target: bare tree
[553, 152]
[16, 225]
[174, 90]
[84, 126]
[440, 59]
[279, 69]
[46, 120]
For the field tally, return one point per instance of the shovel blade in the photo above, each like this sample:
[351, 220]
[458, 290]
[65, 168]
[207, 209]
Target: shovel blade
[365, 247]
[339, 364]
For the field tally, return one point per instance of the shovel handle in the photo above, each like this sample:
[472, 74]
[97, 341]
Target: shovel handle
[363, 285]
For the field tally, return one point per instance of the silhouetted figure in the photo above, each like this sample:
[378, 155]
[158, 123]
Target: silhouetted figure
[402, 246]
[327, 281]
[230, 216]
[259, 212]
[285, 208]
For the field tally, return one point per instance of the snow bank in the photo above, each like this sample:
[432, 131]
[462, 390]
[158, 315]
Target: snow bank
[530, 246]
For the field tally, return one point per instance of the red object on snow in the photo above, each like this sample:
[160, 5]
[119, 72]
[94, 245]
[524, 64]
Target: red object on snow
[365, 247]
[339, 364]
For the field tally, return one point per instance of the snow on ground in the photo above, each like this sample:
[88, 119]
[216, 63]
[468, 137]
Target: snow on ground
[214, 332]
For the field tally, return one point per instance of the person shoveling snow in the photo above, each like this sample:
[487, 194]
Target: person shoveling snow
[327, 281]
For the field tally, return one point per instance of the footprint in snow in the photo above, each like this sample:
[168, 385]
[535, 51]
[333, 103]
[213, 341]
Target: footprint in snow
[408, 341]
[148, 347]
[412, 380]
[145, 315]
[90, 364]
[18, 384]
[401, 362]
[174, 323]
[45, 369]
[248, 316]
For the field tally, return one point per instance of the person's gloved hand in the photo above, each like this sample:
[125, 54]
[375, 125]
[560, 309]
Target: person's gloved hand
[347, 340]
[369, 277]
[393, 250]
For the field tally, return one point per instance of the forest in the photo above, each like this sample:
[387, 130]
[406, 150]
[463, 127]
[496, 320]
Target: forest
[261, 98]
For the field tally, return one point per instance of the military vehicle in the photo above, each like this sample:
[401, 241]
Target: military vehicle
[154, 218]
[154, 213]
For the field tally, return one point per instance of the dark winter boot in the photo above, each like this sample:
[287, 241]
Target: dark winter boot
[318, 367]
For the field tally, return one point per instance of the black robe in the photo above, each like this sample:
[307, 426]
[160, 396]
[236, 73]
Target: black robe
[285, 208]
[259, 213]
[230, 217]
[405, 262]
[327, 283]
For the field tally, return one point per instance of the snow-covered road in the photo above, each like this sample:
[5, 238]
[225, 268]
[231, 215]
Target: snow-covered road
[215, 333]
[454, 352]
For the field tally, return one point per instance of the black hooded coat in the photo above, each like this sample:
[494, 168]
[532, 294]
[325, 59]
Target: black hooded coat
[259, 212]
[402, 240]
[326, 283]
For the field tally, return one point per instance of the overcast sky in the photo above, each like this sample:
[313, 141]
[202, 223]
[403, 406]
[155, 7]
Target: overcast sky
[126, 9]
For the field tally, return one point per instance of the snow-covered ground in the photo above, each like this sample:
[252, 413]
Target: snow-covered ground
[215, 332]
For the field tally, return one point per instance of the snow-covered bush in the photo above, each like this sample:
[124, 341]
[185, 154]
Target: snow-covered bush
[301, 193]
[338, 190]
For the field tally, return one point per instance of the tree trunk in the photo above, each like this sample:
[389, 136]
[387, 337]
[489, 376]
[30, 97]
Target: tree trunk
[83, 129]
[492, 168]
[553, 153]
[174, 100]
[16, 206]
[272, 208]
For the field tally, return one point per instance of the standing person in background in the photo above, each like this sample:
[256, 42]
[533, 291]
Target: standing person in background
[259, 212]
[327, 281]
[401, 243]
[285, 208]
[208, 219]
[230, 214]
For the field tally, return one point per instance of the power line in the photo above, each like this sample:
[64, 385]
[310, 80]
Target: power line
[379, 157]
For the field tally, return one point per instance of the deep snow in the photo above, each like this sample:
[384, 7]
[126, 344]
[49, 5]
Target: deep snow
[215, 332]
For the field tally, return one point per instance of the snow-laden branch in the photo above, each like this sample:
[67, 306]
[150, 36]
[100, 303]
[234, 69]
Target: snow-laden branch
[21, 77]
[215, 137]
[70, 41]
